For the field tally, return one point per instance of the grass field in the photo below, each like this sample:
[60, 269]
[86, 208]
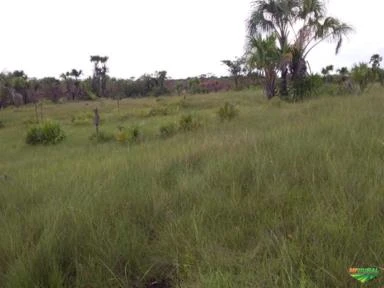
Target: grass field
[284, 195]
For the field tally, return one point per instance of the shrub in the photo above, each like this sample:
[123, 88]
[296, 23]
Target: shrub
[304, 87]
[101, 137]
[227, 112]
[188, 123]
[45, 133]
[121, 136]
[167, 130]
[134, 134]
[183, 104]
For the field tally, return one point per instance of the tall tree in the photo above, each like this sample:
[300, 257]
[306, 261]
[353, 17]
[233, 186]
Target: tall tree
[75, 74]
[99, 80]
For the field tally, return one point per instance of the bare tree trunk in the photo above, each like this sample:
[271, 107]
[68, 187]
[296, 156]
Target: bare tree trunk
[270, 84]
[36, 113]
[97, 121]
[41, 111]
[118, 105]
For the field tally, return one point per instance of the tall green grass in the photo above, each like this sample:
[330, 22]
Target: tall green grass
[282, 196]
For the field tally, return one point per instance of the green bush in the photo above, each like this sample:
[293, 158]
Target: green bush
[101, 137]
[167, 130]
[362, 75]
[45, 133]
[121, 136]
[304, 87]
[188, 123]
[134, 134]
[227, 112]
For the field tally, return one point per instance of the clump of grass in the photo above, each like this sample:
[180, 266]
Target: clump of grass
[30, 121]
[101, 137]
[168, 130]
[84, 118]
[227, 112]
[2, 125]
[188, 123]
[121, 136]
[134, 134]
[183, 104]
[131, 135]
[46, 133]
[158, 111]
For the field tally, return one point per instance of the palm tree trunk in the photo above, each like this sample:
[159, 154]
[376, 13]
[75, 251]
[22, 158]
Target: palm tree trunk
[284, 82]
[270, 84]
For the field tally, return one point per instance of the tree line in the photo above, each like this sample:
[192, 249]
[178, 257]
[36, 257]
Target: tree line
[16, 88]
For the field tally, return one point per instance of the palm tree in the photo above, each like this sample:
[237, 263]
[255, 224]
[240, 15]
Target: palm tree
[300, 26]
[276, 17]
[76, 74]
[326, 72]
[375, 61]
[343, 72]
[264, 55]
[99, 74]
[377, 71]
[315, 27]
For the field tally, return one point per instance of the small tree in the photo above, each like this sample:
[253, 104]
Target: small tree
[327, 73]
[362, 75]
[159, 79]
[19, 82]
[264, 55]
[75, 74]
[72, 83]
[377, 71]
[343, 72]
[235, 68]
[375, 61]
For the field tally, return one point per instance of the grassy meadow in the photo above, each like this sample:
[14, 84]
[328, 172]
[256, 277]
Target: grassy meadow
[284, 195]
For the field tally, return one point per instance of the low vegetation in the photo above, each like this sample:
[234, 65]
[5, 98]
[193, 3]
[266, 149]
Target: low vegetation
[227, 112]
[287, 195]
[45, 133]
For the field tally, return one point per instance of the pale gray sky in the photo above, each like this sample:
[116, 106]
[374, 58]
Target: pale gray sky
[184, 37]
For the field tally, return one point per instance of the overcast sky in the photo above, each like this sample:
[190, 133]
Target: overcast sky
[184, 37]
